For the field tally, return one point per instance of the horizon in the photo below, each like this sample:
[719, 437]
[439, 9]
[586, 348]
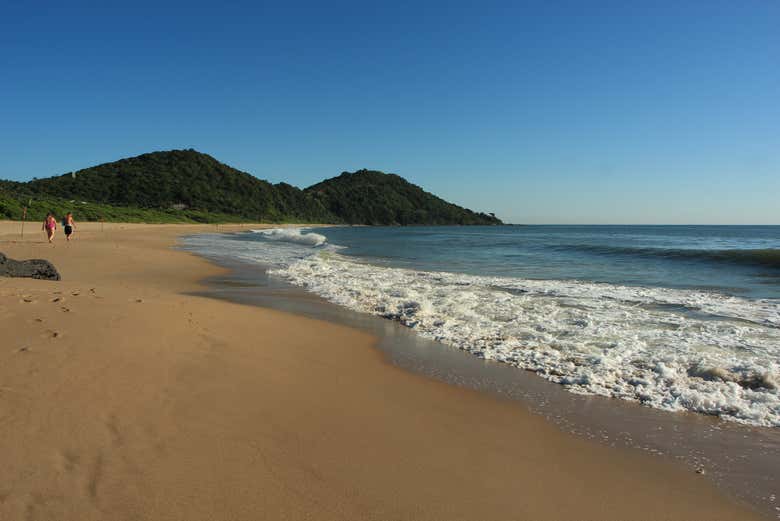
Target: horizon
[424, 188]
[540, 113]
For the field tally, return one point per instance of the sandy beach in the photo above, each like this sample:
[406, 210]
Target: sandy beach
[123, 397]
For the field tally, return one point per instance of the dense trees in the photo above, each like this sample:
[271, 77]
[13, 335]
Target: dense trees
[371, 197]
[189, 185]
[183, 179]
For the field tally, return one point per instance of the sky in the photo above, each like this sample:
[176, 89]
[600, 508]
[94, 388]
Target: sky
[542, 112]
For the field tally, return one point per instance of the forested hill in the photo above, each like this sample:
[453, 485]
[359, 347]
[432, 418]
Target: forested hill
[371, 197]
[189, 185]
[184, 179]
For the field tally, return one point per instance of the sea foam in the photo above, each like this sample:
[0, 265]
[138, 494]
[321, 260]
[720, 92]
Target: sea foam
[295, 235]
[673, 349]
[711, 354]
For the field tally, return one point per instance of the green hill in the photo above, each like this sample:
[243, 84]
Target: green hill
[183, 179]
[186, 185]
[371, 197]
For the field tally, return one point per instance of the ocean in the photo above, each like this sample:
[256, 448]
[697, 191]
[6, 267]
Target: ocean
[678, 318]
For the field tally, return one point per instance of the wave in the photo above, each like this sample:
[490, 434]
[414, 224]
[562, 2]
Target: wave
[289, 245]
[672, 349]
[295, 235]
[764, 257]
[679, 350]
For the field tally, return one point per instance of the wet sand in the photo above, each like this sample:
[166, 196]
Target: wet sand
[125, 396]
[743, 461]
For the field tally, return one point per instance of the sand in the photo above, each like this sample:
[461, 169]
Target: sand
[124, 398]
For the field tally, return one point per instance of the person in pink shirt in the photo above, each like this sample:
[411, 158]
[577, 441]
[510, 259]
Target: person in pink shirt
[50, 226]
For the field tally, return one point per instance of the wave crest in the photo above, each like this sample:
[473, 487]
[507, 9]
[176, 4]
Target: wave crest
[295, 235]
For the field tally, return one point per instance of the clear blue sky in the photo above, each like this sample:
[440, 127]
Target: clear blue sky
[545, 112]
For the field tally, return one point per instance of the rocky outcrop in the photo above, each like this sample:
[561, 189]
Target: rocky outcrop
[34, 268]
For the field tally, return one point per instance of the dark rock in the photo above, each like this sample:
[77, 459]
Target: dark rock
[34, 268]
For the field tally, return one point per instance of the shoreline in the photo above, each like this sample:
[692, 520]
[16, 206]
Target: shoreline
[149, 403]
[740, 459]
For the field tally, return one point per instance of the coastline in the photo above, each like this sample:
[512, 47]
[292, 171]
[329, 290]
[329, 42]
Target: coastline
[741, 460]
[143, 400]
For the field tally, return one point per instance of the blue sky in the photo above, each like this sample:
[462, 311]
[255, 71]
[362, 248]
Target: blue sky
[544, 112]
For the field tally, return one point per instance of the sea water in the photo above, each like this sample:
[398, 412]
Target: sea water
[674, 317]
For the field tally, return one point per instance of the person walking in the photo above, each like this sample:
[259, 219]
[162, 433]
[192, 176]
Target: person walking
[68, 226]
[50, 226]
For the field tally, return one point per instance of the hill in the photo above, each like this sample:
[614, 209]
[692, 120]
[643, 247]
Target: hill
[183, 179]
[371, 197]
[186, 185]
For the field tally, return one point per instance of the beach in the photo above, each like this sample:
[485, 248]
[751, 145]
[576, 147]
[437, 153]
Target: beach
[123, 395]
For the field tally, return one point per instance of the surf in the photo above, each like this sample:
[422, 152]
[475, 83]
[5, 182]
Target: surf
[295, 235]
[617, 341]
[670, 348]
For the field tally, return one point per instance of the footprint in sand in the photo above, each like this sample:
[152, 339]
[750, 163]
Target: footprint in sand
[27, 299]
[69, 460]
[64, 309]
[57, 299]
[95, 477]
[50, 333]
[114, 430]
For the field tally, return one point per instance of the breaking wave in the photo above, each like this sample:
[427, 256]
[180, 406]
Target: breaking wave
[678, 350]
[296, 235]
[672, 349]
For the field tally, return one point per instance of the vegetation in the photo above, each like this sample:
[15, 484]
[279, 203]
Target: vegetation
[188, 186]
[371, 197]
[12, 205]
[182, 180]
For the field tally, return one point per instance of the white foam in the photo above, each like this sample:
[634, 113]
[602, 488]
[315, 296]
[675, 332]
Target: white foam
[288, 246]
[667, 348]
[295, 235]
[236, 246]
[671, 349]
